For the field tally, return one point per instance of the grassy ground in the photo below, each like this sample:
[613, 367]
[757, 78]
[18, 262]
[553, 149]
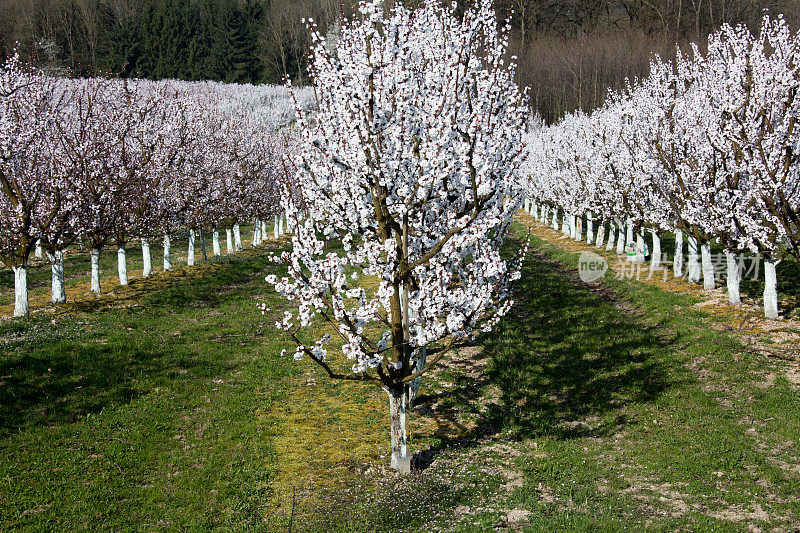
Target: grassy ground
[605, 407]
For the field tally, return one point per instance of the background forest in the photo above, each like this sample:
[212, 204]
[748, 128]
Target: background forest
[570, 51]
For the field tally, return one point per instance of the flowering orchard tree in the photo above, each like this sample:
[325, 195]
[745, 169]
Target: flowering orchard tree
[26, 118]
[410, 163]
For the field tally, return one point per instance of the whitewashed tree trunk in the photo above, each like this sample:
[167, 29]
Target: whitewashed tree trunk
[641, 249]
[190, 253]
[147, 259]
[264, 230]
[215, 243]
[770, 290]
[620, 238]
[58, 294]
[601, 235]
[38, 252]
[95, 259]
[237, 238]
[694, 263]
[20, 290]
[555, 219]
[256, 233]
[229, 241]
[733, 274]
[167, 253]
[629, 235]
[122, 265]
[655, 256]
[400, 460]
[589, 228]
[577, 227]
[709, 283]
[677, 261]
[281, 226]
[611, 236]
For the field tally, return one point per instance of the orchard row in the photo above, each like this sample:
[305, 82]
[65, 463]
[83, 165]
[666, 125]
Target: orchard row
[707, 146]
[110, 162]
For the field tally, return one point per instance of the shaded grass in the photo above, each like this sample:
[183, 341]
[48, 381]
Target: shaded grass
[168, 408]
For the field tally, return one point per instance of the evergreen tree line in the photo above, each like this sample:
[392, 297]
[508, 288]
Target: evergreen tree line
[569, 51]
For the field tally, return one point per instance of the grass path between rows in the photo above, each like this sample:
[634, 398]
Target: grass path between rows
[600, 407]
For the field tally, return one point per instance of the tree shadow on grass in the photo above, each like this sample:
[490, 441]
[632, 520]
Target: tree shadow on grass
[564, 364]
[67, 380]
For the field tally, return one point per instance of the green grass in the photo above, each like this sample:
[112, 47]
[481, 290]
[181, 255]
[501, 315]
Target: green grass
[603, 408]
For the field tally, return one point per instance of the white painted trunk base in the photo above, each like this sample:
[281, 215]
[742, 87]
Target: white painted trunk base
[95, 260]
[20, 290]
[601, 235]
[611, 236]
[694, 261]
[677, 260]
[237, 238]
[655, 255]
[400, 460]
[589, 228]
[770, 290]
[147, 259]
[709, 283]
[122, 265]
[38, 252]
[167, 253]
[256, 233]
[215, 243]
[641, 249]
[733, 274]
[190, 253]
[620, 238]
[58, 294]
[229, 241]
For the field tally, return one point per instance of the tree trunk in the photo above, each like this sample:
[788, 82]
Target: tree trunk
[677, 261]
[770, 290]
[58, 293]
[600, 238]
[694, 263]
[400, 460]
[629, 235]
[190, 254]
[655, 256]
[20, 290]
[203, 245]
[256, 233]
[38, 253]
[122, 265]
[733, 274]
[589, 228]
[611, 236]
[237, 238]
[228, 241]
[641, 249]
[620, 238]
[95, 259]
[709, 283]
[167, 253]
[555, 219]
[147, 259]
[215, 243]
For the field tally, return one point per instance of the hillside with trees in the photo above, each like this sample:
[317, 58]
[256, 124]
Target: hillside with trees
[569, 51]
